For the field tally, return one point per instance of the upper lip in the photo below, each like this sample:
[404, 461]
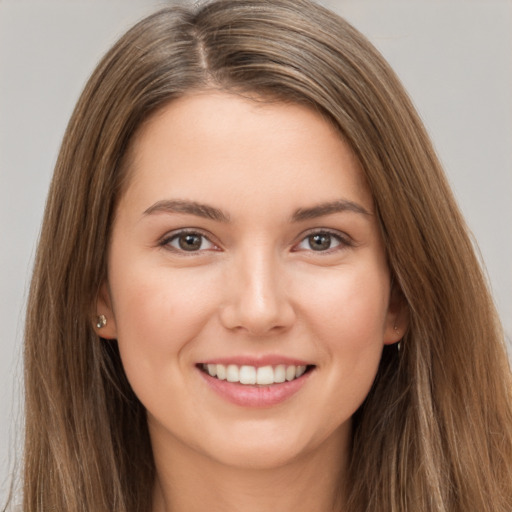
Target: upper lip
[257, 361]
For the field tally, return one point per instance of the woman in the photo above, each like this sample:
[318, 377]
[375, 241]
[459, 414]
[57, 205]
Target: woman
[253, 287]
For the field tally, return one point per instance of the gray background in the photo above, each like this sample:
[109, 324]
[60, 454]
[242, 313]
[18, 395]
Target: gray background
[453, 56]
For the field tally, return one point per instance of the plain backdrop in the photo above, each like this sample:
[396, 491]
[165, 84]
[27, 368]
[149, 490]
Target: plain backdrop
[454, 57]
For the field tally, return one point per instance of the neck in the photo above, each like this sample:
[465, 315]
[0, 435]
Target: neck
[188, 481]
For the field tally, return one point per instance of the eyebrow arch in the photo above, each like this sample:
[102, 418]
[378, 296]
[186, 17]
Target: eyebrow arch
[329, 208]
[188, 207]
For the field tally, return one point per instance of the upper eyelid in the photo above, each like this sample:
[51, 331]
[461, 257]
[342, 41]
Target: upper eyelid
[344, 240]
[165, 239]
[186, 231]
[342, 236]
[329, 231]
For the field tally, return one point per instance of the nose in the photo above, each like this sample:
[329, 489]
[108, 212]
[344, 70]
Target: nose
[257, 301]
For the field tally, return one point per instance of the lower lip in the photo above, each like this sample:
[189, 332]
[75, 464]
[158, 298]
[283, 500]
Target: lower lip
[255, 396]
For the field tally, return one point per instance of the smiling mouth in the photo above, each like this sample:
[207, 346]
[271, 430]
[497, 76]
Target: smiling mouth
[252, 375]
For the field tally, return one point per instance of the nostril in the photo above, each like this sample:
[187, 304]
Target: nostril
[258, 318]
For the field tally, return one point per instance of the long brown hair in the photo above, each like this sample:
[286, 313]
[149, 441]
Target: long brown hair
[433, 435]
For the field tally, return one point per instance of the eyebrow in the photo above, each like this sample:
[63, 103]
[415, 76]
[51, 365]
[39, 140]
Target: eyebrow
[342, 205]
[212, 213]
[188, 207]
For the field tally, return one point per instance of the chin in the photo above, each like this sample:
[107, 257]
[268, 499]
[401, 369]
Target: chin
[262, 456]
[261, 448]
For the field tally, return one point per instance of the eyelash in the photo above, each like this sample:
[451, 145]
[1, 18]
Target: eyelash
[343, 241]
[166, 241]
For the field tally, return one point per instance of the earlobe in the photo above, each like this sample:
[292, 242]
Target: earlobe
[395, 328]
[397, 320]
[104, 321]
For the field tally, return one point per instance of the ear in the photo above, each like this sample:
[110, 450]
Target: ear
[104, 308]
[397, 319]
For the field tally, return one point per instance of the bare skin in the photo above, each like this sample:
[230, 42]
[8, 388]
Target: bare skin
[309, 483]
[246, 237]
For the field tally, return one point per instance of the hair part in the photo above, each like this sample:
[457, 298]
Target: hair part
[433, 435]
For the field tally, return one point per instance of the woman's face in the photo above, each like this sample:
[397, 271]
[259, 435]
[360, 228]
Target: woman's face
[246, 248]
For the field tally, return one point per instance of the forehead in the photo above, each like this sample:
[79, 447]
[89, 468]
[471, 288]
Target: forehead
[212, 142]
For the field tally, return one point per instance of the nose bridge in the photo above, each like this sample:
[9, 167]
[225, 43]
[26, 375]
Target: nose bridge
[258, 302]
[260, 278]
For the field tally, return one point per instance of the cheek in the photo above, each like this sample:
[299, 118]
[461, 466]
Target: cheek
[347, 317]
[350, 305]
[158, 314]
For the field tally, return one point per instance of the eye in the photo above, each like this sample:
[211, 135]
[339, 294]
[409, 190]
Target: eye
[321, 241]
[188, 241]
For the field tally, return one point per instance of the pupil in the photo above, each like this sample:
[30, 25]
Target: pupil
[190, 242]
[320, 242]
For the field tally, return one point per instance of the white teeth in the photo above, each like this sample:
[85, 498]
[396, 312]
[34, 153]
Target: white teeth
[265, 375]
[251, 375]
[232, 373]
[221, 371]
[280, 373]
[247, 375]
[299, 371]
[290, 372]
